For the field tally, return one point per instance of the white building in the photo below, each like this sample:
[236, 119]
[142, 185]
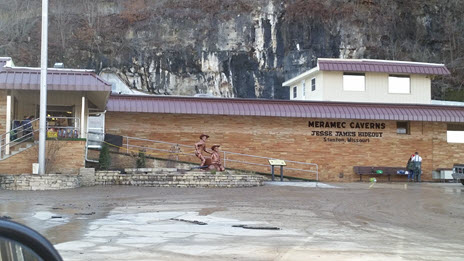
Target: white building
[374, 81]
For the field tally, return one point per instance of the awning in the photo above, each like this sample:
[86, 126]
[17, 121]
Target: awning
[22, 78]
[284, 108]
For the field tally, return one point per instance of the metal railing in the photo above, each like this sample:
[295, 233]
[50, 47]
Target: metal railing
[13, 137]
[25, 132]
[65, 129]
[134, 144]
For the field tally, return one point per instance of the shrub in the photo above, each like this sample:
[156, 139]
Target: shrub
[104, 161]
[140, 163]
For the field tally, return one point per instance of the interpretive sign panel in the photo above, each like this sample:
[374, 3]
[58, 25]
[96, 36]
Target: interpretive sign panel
[277, 163]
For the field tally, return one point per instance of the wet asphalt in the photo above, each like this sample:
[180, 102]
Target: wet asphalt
[343, 221]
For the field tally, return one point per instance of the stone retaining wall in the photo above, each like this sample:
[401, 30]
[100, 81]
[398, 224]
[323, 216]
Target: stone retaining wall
[156, 178]
[190, 179]
[87, 177]
[39, 182]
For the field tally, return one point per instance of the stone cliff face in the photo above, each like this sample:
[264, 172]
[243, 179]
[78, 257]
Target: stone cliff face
[233, 48]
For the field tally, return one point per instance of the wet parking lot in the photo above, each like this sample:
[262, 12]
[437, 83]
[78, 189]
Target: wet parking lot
[299, 221]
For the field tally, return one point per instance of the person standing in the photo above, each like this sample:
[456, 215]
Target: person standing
[417, 160]
[410, 167]
[200, 147]
[27, 127]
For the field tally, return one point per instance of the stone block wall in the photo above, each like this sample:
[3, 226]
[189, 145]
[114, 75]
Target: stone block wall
[38, 182]
[191, 179]
[294, 139]
[87, 177]
[111, 178]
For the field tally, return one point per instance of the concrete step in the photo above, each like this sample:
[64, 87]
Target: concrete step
[165, 170]
[16, 145]
[18, 148]
[149, 170]
[22, 147]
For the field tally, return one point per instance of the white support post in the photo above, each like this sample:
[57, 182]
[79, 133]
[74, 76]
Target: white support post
[43, 87]
[83, 121]
[8, 124]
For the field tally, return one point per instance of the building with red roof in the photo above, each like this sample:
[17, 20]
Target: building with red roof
[319, 136]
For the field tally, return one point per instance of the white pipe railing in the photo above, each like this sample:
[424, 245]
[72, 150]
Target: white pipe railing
[67, 130]
[25, 132]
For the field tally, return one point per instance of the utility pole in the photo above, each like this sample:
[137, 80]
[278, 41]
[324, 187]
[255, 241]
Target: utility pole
[43, 87]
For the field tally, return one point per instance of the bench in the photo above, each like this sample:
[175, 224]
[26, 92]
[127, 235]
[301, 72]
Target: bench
[372, 170]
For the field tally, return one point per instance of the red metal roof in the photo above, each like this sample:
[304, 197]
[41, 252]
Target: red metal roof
[284, 108]
[20, 78]
[381, 66]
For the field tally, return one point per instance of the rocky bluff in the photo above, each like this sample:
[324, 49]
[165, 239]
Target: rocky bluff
[233, 48]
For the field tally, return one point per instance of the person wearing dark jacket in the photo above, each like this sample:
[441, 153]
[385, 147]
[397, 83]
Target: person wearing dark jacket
[410, 167]
[27, 127]
[417, 160]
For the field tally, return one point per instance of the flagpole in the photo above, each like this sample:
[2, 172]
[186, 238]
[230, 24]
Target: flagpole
[43, 87]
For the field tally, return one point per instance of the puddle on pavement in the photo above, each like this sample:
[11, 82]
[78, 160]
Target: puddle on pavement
[57, 224]
[454, 191]
[299, 184]
[126, 234]
[209, 211]
[122, 230]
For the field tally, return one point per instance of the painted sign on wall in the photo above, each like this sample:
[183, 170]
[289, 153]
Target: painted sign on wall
[337, 132]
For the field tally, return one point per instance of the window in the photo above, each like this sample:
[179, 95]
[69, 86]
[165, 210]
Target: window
[313, 84]
[304, 89]
[60, 117]
[455, 133]
[354, 82]
[402, 127]
[399, 84]
[295, 94]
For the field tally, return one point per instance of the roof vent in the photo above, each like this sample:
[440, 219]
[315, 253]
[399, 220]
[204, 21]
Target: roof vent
[58, 65]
